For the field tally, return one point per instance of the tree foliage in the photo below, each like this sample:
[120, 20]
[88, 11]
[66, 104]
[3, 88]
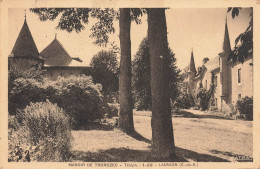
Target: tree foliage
[245, 107]
[203, 97]
[141, 77]
[73, 19]
[184, 99]
[106, 68]
[244, 42]
[100, 31]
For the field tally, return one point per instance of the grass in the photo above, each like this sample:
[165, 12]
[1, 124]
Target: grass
[197, 138]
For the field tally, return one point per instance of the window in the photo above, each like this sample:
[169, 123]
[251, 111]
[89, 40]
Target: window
[206, 84]
[239, 75]
[216, 81]
[216, 102]
[239, 96]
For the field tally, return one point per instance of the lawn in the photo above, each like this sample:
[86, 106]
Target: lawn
[198, 137]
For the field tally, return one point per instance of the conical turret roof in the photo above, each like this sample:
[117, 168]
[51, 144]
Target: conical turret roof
[25, 45]
[55, 54]
[192, 67]
[226, 43]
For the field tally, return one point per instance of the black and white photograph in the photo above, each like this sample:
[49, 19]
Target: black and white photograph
[103, 86]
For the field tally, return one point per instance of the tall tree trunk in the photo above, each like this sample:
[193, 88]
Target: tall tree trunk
[161, 122]
[125, 122]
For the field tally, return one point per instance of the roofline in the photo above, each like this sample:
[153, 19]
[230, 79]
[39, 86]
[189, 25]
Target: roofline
[55, 39]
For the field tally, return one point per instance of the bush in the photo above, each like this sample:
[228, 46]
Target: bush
[53, 134]
[24, 91]
[12, 123]
[201, 99]
[245, 107]
[77, 95]
[114, 109]
[15, 73]
[80, 98]
[18, 147]
[183, 101]
[47, 129]
[228, 110]
[204, 97]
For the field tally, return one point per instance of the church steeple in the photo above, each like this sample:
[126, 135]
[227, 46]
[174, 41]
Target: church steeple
[226, 42]
[25, 45]
[192, 67]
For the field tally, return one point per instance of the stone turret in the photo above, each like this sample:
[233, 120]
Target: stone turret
[225, 68]
[25, 54]
[192, 73]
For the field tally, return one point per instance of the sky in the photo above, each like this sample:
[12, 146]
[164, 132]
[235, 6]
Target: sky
[200, 29]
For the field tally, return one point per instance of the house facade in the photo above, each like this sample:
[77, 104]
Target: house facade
[54, 59]
[232, 81]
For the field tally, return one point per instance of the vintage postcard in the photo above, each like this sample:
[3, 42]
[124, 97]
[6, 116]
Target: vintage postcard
[129, 84]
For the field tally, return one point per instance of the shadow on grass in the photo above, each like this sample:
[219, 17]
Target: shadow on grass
[237, 157]
[139, 137]
[127, 155]
[186, 114]
[194, 156]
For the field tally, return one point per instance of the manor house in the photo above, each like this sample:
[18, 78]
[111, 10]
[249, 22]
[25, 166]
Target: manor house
[232, 81]
[54, 59]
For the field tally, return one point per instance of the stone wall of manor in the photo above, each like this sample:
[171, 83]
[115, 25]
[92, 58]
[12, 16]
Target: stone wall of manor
[244, 87]
[237, 89]
[54, 72]
[206, 83]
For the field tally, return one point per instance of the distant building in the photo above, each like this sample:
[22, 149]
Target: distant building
[54, 58]
[232, 80]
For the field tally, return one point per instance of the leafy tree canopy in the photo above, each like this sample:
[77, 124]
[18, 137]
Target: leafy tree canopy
[106, 68]
[73, 19]
[244, 42]
[141, 76]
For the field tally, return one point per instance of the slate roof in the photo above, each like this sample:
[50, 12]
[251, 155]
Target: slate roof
[212, 64]
[25, 45]
[55, 54]
[226, 42]
[192, 67]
